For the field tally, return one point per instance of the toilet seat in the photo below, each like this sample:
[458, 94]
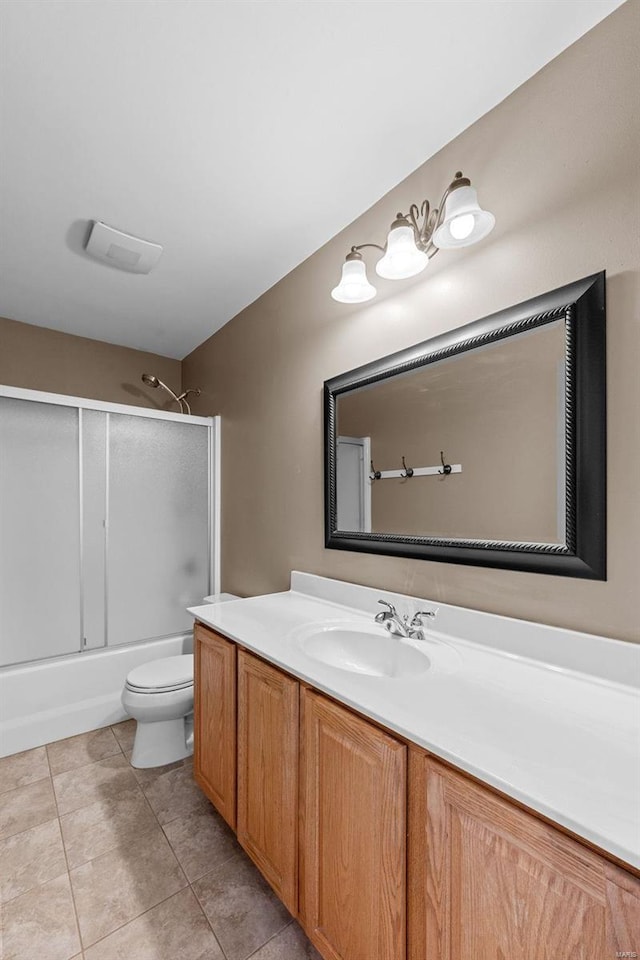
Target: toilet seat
[162, 676]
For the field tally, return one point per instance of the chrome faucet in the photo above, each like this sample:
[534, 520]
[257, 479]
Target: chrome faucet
[413, 629]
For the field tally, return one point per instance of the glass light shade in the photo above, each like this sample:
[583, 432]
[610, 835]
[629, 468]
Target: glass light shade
[402, 258]
[464, 221]
[354, 286]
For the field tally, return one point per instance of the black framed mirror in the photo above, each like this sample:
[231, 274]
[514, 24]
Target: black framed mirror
[485, 445]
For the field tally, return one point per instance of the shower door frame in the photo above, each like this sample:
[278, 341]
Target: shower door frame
[213, 425]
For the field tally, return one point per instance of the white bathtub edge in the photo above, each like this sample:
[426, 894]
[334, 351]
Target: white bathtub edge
[58, 723]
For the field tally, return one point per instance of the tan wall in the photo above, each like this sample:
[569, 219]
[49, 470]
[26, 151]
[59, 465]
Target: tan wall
[557, 162]
[41, 359]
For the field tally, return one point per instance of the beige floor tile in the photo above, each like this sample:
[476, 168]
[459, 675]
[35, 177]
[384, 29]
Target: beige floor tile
[30, 858]
[174, 930]
[103, 780]
[125, 734]
[120, 885]
[41, 924]
[241, 907]
[21, 769]
[201, 842]
[25, 807]
[79, 751]
[290, 944]
[175, 794]
[106, 824]
[148, 775]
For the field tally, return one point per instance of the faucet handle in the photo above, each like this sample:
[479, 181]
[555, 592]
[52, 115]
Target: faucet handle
[386, 614]
[419, 614]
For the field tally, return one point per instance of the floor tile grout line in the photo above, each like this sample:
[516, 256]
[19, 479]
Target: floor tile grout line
[200, 904]
[66, 859]
[272, 937]
[147, 801]
[5, 793]
[219, 863]
[161, 825]
[137, 917]
[111, 726]
[41, 883]
[41, 823]
[81, 766]
[104, 853]
[138, 784]
[25, 785]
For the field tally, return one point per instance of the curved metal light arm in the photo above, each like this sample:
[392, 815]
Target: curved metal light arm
[431, 220]
[361, 246]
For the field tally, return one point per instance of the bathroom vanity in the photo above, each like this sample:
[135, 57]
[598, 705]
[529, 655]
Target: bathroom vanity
[475, 797]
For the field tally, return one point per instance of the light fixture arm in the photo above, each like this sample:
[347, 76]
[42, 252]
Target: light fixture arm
[361, 246]
[431, 220]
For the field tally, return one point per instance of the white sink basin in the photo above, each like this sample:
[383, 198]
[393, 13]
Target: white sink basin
[363, 649]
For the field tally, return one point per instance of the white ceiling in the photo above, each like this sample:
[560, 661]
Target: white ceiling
[239, 135]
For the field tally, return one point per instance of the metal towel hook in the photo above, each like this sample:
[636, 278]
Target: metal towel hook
[375, 474]
[408, 471]
[446, 467]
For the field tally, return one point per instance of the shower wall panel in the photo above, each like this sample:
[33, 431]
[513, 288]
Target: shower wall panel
[40, 611]
[158, 542]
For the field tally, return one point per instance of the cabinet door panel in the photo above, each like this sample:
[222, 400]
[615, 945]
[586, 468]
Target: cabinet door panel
[268, 773]
[214, 762]
[623, 912]
[353, 835]
[488, 879]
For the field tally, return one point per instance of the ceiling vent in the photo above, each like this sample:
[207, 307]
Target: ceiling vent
[121, 249]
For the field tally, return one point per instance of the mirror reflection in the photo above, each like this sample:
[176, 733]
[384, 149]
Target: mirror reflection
[495, 415]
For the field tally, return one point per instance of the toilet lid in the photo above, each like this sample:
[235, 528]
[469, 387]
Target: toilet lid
[170, 673]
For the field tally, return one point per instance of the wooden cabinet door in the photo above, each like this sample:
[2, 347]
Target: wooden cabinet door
[489, 880]
[352, 835]
[214, 726]
[268, 773]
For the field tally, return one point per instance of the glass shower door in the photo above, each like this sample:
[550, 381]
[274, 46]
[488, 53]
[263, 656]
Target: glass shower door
[158, 543]
[40, 595]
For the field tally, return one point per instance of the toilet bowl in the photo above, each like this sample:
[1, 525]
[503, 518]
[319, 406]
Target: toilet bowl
[159, 696]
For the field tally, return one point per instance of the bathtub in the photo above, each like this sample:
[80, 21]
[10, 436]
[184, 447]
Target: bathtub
[48, 700]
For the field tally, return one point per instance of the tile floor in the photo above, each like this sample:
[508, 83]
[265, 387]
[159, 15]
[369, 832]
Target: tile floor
[99, 861]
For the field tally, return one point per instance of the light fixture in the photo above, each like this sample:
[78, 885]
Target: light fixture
[459, 221]
[354, 286]
[402, 258]
[464, 221]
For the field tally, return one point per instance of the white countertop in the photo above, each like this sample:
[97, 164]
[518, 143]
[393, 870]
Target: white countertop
[548, 716]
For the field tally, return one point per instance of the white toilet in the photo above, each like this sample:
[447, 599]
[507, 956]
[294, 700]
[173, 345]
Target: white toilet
[159, 696]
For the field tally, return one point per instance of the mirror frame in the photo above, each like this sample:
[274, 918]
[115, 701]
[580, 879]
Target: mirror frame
[582, 306]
